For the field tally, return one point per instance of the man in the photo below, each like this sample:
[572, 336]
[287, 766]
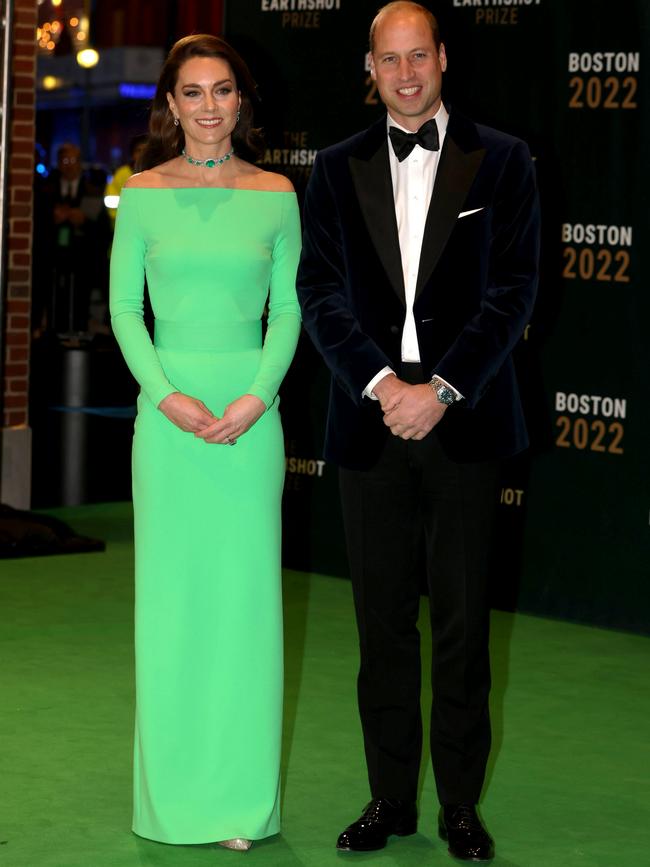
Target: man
[72, 240]
[417, 279]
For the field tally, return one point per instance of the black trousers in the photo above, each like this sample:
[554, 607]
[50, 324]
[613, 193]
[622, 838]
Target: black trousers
[416, 497]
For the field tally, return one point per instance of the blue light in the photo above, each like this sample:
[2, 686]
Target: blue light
[40, 168]
[137, 91]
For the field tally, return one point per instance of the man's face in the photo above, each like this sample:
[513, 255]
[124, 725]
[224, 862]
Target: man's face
[407, 67]
[70, 163]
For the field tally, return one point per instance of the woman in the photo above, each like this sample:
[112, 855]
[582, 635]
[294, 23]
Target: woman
[215, 236]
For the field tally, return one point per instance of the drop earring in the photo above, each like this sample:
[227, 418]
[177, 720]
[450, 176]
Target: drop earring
[238, 116]
[175, 121]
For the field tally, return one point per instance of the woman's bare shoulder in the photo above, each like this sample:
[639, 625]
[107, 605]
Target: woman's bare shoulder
[142, 180]
[275, 183]
[157, 177]
[270, 182]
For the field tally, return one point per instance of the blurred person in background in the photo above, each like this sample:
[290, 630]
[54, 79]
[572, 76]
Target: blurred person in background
[71, 245]
[121, 176]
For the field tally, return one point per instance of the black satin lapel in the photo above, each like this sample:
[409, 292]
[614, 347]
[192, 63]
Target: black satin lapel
[372, 182]
[454, 178]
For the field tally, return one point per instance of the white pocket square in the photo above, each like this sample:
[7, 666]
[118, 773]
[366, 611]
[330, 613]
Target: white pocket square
[467, 213]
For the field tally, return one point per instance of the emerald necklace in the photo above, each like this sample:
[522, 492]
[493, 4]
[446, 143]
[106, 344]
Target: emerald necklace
[209, 164]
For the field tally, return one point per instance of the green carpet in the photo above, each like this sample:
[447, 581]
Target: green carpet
[569, 782]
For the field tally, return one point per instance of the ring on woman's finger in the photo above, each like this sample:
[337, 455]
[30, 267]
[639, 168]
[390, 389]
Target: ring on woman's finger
[230, 442]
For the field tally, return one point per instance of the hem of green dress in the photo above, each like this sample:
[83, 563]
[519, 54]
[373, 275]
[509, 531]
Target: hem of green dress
[202, 841]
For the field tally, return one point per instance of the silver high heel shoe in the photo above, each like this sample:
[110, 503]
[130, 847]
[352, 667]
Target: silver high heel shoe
[237, 843]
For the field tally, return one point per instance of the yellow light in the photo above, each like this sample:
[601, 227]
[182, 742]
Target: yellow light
[50, 45]
[88, 58]
[56, 2]
[47, 26]
[55, 27]
[51, 82]
[74, 22]
[81, 36]
[38, 32]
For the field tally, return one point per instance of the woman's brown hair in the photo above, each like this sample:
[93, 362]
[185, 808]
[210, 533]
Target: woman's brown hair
[165, 140]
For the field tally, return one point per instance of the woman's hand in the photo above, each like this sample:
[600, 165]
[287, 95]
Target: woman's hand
[238, 417]
[187, 413]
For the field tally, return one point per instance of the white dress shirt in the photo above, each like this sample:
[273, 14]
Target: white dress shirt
[413, 179]
[69, 187]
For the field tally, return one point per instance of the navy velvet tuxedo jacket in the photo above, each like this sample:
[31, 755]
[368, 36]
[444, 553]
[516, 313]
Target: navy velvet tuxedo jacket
[475, 289]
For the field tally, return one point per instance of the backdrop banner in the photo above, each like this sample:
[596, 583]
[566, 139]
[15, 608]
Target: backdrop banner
[569, 78]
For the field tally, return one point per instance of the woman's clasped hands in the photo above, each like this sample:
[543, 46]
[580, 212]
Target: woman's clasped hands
[191, 415]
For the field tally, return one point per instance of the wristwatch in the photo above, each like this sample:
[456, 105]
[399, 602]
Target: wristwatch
[442, 391]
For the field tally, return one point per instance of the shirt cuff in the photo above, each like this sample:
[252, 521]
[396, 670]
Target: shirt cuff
[367, 392]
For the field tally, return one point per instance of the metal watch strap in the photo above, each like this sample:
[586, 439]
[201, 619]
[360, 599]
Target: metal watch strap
[442, 391]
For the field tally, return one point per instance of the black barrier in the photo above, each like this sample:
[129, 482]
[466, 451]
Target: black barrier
[569, 78]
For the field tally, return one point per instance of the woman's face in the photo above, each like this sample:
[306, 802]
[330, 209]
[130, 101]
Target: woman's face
[206, 102]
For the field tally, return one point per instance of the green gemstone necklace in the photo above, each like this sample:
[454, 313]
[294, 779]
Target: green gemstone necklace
[209, 164]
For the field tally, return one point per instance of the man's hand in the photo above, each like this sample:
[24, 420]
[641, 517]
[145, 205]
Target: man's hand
[388, 391]
[415, 413]
[238, 417]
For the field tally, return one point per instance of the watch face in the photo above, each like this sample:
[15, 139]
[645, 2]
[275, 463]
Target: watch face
[445, 395]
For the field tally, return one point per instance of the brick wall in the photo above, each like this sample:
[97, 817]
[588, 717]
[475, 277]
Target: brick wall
[15, 433]
[19, 240]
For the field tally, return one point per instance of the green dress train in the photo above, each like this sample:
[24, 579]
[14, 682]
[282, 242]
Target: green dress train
[208, 618]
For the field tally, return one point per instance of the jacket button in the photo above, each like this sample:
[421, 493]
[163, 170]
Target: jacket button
[394, 329]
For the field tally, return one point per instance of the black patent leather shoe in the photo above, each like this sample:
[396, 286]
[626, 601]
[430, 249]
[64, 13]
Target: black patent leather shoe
[379, 820]
[461, 827]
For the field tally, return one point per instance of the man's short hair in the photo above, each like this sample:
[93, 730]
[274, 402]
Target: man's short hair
[405, 4]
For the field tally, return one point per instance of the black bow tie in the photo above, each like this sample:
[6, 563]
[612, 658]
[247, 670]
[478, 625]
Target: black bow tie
[404, 142]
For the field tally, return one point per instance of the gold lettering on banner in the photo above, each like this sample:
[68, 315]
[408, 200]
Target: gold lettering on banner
[292, 5]
[303, 20]
[371, 96]
[295, 139]
[294, 159]
[617, 90]
[603, 434]
[507, 12]
[496, 16]
[595, 261]
[299, 470]
[611, 93]
[600, 265]
[305, 466]
[511, 496]
[595, 436]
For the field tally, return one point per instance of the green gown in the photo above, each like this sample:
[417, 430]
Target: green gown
[208, 618]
